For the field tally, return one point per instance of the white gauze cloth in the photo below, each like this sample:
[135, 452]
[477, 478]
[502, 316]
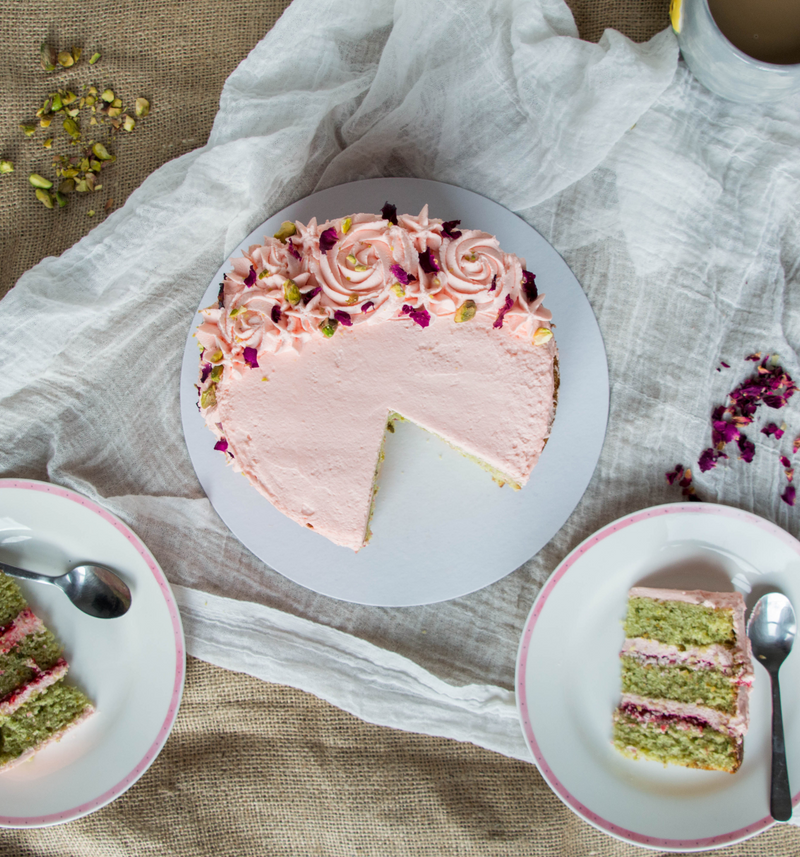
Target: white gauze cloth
[676, 210]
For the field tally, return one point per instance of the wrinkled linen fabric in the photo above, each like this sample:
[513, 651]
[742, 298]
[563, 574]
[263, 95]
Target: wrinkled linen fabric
[676, 210]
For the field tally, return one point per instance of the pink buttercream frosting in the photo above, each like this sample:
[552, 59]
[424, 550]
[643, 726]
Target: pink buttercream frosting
[309, 350]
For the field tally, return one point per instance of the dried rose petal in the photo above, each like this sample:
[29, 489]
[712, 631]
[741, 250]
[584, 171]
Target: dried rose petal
[251, 357]
[367, 306]
[772, 429]
[785, 461]
[789, 495]
[275, 314]
[343, 317]
[389, 212]
[754, 357]
[402, 276]
[498, 322]
[221, 295]
[328, 239]
[747, 449]
[221, 445]
[723, 432]
[449, 230]
[726, 365]
[672, 475]
[206, 372]
[494, 283]
[293, 250]
[529, 286]
[789, 473]
[796, 444]
[708, 460]
[428, 263]
[419, 314]
[310, 295]
[251, 277]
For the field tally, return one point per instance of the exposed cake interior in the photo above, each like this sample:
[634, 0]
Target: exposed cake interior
[37, 707]
[686, 678]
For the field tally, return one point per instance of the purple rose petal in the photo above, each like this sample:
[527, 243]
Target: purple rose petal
[420, 315]
[275, 314]
[221, 295]
[428, 263]
[785, 461]
[293, 250]
[328, 239]
[251, 357]
[310, 295]
[449, 230]
[367, 306]
[789, 495]
[747, 449]
[494, 283]
[251, 277]
[343, 317]
[498, 322]
[221, 445]
[772, 429]
[389, 212]
[529, 286]
[402, 276]
[206, 372]
[708, 460]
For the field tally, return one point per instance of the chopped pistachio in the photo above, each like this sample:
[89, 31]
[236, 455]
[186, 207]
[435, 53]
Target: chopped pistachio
[216, 357]
[88, 100]
[465, 312]
[92, 90]
[28, 130]
[66, 186]
[73, 112]
[208, 398]
[82, 186]
[45, 121]
[98, 187]
[542, 335]
[264, 273]
[68, 97]
[95, 166]
[90, 212]
[128, 123]
[71, 127]
[117, 102]
[84, 164]
[48, 57]
[399, 290]
[216, 373]
[95, 57]
[76, 54]
[352, 299]
[286, 231]
[44, 197]
[108, 95]
[90, 180]
[328, 327]
[93, 121]
[291, 292]
[114, 111]
[48, 143]
[40, 181]
[57, 102]
[346, 224]
[142, 107]
[61, 199]
[65, 59]
[235, 311]
[70, 173]
[6, 167]
[100, 152]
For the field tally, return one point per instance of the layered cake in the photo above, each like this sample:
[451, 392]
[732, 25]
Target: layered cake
[326, 334]
[686, 679]
[37, 707]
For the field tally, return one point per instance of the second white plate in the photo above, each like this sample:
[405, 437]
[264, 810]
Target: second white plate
[568, 676]
[442, 528]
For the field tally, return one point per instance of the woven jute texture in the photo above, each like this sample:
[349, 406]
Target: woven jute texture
[253, 768]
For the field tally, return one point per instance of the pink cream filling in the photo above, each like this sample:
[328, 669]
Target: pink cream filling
[25, 623]
[18, 697]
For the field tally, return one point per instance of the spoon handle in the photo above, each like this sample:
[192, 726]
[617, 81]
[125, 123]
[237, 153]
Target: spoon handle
[780, 799]
[13, 571]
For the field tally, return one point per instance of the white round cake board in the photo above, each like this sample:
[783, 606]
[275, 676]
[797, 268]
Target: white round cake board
[441, 527]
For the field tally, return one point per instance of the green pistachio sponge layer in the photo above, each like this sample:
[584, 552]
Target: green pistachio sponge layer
[677, 623]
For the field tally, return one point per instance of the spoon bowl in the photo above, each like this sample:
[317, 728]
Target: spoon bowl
[94, 589]
[772, 627]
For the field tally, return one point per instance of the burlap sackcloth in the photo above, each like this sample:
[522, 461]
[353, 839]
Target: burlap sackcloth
[254, 768]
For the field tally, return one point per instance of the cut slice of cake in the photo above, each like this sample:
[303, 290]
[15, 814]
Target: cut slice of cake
[36, 706]
[686, 679]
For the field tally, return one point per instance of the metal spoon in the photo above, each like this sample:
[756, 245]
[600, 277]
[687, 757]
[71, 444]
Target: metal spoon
[771, 629]
[92, 588]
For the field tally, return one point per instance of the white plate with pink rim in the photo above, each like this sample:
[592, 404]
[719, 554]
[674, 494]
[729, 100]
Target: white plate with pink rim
[132, 668]
[568, 676]
[441, 528]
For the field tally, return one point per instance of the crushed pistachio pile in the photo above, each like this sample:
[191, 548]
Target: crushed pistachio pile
[87, 145]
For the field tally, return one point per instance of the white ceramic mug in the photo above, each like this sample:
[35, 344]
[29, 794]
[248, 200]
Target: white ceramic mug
[721, 66]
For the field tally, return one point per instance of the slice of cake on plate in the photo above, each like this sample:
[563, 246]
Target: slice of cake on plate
[36, 706]
[326, 333]
[686, 679]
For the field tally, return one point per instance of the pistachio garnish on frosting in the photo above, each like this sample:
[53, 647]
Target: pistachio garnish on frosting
[465, 312]
[286, 231]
